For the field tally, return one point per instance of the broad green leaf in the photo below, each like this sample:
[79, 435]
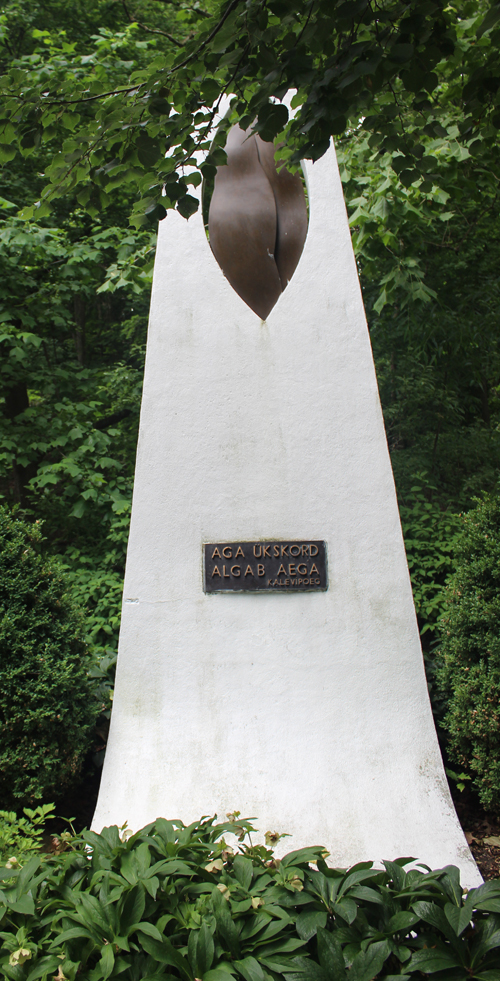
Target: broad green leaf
[397, 874]
[368, 963]
[433, 914]
[165, 953]
[346, 909]
[222, 972]
[401, 922]
[330, 955]
[201, 950]
[307, 923]
[243, 871]
[46, 965]
[72, 934]
[250, 969]
[107, 961]
[132, 909]
[147, 928]
[459, 916]
[430, 961]
[303, 856]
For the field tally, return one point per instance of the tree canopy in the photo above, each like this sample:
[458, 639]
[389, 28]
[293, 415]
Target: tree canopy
[404, 71]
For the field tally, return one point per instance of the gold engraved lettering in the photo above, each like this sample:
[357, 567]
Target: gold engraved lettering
[287, 582]
[257, 553]
[233, 568]
[215, 572]
[300, 580]
[306, 581]
[305, 550]
[269, 582]
[239, 551]
[297, 549]
[316, 550]
[317, 582]
[266, 551]
[282, 570]
[284, 550]
[276, 549]
[248, 571]
[302, 569]
[225, 575]
[314, 569]
[291, 570]
[260, 570]
[227, 552]
[216, 553]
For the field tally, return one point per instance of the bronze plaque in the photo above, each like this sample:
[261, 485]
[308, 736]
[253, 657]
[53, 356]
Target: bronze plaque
[285, 567]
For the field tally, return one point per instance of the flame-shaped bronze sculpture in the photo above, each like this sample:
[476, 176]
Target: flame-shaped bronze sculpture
[257, 221]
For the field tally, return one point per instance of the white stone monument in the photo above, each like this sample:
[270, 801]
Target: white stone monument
[305, 709]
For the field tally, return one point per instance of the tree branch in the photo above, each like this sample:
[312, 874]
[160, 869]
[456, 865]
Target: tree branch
[151, 30]
[216, 29]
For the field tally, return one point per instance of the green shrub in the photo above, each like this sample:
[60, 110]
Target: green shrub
[175, 903]
[20, 837]
[468, 660]
[47, 707]
[429, 534]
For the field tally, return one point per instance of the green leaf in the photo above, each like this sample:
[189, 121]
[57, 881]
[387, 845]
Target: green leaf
[397, 874]
[271, 120]
[201, 950]
[7, 152]
[243, 871]
[303, 856]
[401, 53]
[225, 924]
[250, 969]
[459, 917]
[165, 953]
[430, 961]
[491, 19]
[307, 923]
[187, 205]
[46, 965]
[72, 934]
[222, 972]
[147, 928]
[107, 961]
[368, 963]
[330, 955]
[133, 908]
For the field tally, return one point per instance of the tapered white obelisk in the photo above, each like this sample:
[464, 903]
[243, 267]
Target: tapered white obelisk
[308, 710]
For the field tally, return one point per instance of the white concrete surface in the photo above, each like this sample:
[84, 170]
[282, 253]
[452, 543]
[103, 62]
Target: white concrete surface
[308, 711]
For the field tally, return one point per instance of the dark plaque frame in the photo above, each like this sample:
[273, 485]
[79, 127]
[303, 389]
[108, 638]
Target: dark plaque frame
[270, 566]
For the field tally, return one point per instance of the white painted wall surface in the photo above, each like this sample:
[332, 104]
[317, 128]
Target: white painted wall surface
[309, 711]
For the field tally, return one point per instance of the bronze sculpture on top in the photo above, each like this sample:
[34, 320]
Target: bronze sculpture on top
[257, 221]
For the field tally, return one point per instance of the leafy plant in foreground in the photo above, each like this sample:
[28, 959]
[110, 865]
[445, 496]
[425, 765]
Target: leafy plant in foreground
[21, 836]
[178, 903]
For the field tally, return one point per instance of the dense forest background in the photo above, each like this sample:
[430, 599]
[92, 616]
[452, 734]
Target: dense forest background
[75, 283]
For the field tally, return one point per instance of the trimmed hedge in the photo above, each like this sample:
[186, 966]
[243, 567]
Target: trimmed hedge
[47, 705]
[468, 660]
